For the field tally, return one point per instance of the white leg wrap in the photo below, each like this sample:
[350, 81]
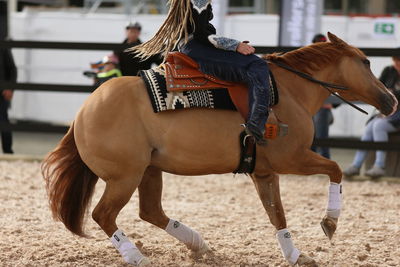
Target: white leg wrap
[129, 251]
[289, 251]
[334, 200]
[189, 237]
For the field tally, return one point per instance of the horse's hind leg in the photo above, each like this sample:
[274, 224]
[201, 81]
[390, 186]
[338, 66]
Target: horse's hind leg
[150, 192]
[268, 190]
[116, 195]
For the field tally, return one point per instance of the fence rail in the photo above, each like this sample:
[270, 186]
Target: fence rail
[373, 52]
[349, 143]
[33, 127]
[47, 87]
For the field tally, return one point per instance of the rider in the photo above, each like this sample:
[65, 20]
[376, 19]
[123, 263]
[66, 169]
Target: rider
[188, 28]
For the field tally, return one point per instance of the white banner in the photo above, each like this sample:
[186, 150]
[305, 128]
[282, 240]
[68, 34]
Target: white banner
[300, 20]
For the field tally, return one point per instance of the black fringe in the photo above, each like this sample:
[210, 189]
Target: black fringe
[231, 73]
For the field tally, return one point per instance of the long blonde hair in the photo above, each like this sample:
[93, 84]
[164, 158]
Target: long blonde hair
[174, 28]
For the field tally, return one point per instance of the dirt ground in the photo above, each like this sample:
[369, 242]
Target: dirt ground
[224, 209]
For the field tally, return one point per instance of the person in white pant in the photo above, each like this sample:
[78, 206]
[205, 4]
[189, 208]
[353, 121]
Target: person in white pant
[377, 130]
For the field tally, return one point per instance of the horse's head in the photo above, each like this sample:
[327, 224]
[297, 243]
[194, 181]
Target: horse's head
[354, 72]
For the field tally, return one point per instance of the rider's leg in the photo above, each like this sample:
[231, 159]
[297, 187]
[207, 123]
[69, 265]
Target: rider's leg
[258, 82]
[235, 67]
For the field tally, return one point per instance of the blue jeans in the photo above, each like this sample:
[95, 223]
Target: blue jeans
[377, 130]
[322, 120]
[235, 67]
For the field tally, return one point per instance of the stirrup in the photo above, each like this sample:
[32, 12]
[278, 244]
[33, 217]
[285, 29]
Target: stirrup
[261, 142]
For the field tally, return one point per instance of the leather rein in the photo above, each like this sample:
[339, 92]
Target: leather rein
[325, 85]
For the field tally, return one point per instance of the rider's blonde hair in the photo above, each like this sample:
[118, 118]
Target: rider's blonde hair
[174, 29]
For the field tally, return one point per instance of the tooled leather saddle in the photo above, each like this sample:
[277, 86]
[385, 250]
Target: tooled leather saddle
[183, 74]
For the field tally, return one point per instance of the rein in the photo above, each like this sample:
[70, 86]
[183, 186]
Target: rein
[325, 85]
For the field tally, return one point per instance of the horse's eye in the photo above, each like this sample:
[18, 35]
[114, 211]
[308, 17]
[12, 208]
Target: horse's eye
[367, 62]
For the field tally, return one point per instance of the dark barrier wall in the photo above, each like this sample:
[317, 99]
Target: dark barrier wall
[3, 20]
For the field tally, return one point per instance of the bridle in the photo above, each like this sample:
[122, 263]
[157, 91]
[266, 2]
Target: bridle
[325, 85]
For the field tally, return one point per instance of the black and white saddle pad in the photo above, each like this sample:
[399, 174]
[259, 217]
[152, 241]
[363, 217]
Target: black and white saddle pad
[162, 100]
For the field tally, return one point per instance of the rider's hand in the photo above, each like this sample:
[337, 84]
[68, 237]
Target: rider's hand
[245, 49]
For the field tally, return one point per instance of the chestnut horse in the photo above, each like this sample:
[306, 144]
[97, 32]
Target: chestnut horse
[117, 136]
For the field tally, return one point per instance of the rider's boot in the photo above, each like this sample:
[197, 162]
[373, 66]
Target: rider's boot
[258, 113]
[255, 126]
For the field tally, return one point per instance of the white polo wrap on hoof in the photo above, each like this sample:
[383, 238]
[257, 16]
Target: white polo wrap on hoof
[334, 200]
[128, 251]
[289, 251]
[189, 237]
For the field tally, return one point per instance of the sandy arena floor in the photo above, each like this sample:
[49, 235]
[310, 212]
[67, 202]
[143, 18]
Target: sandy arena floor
[224, 209]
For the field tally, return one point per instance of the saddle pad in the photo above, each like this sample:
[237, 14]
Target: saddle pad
[162, 100]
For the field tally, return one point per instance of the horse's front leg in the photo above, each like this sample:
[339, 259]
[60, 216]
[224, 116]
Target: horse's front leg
[312, 163]
[268, 190]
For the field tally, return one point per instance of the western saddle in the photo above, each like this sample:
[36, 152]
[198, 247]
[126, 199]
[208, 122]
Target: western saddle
[183, 74]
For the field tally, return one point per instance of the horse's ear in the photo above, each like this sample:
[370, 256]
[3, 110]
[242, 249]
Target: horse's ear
[334, 39]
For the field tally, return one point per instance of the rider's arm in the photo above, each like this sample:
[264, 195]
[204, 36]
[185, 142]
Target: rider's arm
[204, 31]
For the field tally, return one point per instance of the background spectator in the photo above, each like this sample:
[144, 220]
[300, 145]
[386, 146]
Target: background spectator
[108, 70]
[379, 127]
[318, 38]
[104, 70]
[129, 64]
[324, 117]
[8, 73]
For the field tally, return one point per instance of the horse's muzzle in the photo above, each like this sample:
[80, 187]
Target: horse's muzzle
[388, 104]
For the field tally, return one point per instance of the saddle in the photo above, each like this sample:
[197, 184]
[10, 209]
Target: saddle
[182, 73]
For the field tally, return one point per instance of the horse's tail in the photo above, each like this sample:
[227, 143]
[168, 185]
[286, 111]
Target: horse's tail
[69, 183]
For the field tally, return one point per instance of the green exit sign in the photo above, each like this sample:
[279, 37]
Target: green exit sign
[384, 28]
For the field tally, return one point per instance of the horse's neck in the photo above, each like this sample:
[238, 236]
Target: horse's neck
[309, 95]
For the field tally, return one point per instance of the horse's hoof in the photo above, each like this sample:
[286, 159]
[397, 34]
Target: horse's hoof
[144, 262]
[199, 253]
[304, 260]
[329, 226]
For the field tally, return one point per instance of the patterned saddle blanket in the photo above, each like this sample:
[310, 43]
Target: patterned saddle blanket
[162, 100]
[192, 89]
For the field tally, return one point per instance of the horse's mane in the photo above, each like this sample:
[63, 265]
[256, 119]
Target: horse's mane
[315, 56]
